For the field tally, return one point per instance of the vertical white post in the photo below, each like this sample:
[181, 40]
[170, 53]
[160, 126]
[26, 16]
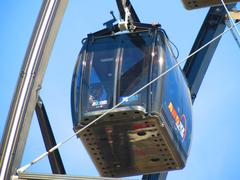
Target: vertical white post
[29, 82]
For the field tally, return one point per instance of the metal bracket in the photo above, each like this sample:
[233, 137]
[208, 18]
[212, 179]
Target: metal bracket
[234, 14]
[124, 25]
[234, 34]
[109, 24]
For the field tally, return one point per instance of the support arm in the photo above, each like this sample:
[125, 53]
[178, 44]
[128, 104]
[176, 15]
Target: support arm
[197, 65]
[48, 138]
[122, 4]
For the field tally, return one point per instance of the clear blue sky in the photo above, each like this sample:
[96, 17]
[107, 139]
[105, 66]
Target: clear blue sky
[215, 146]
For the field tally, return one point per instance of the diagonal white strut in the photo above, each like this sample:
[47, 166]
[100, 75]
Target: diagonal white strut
[25, 89]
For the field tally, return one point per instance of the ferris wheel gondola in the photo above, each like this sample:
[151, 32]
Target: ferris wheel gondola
[151, 131]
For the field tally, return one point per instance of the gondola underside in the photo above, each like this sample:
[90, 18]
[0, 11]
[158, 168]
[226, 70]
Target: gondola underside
[129, 142]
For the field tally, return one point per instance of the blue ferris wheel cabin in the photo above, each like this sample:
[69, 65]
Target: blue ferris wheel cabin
[149, 132]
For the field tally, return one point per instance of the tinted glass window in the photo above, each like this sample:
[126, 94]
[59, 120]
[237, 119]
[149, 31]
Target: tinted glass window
[135, 68]
[172, 97]
[171, 84]
[116, 67]
[186, 115]
[100, 64]
[177, 103]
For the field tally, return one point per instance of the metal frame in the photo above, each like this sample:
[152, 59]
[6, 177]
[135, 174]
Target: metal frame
[33, 69]
[28, 85]
[58, 177]
[197, 65]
